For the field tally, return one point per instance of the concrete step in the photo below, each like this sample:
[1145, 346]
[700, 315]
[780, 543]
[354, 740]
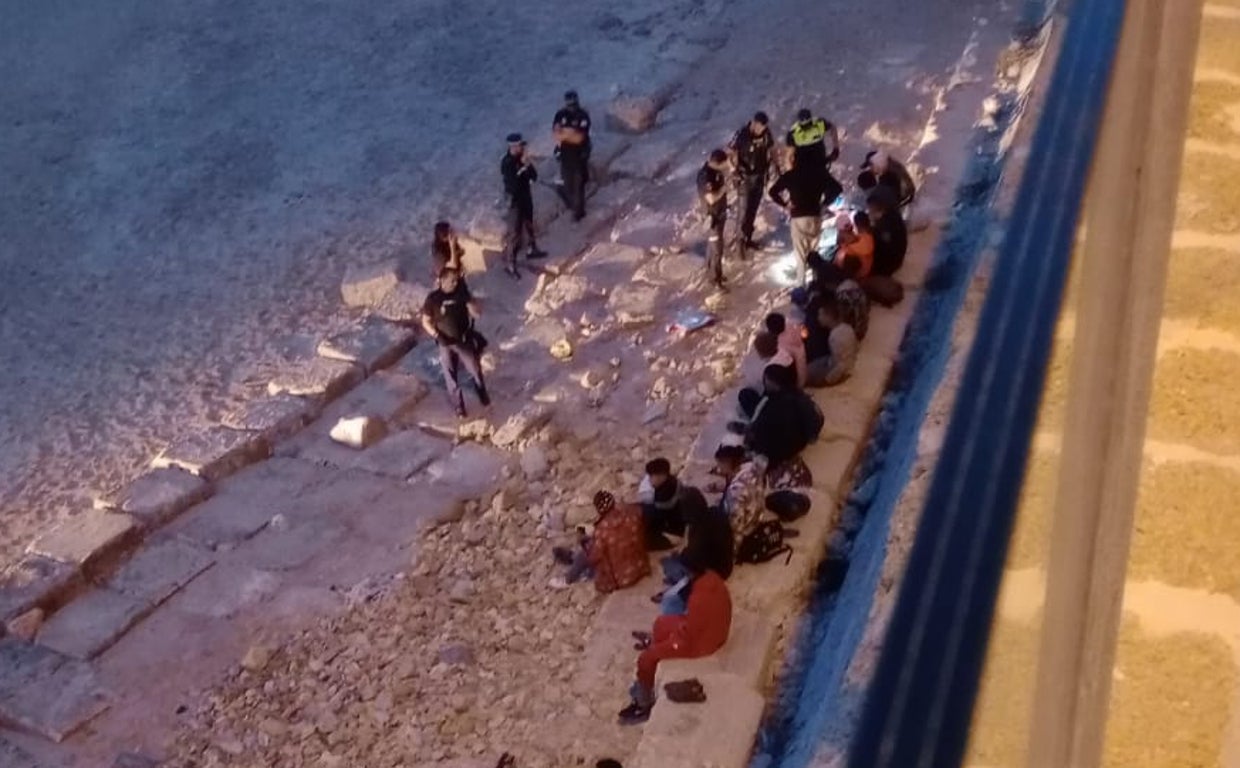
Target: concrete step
[715, 734]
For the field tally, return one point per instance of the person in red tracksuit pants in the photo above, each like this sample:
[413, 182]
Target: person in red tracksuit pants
[701, 631]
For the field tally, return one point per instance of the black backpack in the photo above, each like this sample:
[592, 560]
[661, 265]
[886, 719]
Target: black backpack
[766, 542]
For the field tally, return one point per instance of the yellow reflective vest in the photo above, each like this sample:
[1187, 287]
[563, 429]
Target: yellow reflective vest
[809, 132]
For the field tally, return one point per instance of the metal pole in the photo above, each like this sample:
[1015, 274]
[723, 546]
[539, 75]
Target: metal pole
[1130, 214]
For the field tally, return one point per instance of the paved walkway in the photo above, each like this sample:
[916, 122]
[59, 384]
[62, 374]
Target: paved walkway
[1176, 687]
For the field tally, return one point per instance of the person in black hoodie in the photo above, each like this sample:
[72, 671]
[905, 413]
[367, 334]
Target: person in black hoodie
[890, 233]
[708, 539]
[661, 510]
[776, 430]
[803, 191]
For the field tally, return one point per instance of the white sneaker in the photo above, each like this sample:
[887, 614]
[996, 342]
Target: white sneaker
[558, 582]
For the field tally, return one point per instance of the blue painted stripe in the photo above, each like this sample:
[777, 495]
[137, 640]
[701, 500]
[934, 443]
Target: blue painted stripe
[920, 704]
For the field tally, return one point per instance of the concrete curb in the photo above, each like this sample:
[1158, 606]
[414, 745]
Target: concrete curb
[768, 599]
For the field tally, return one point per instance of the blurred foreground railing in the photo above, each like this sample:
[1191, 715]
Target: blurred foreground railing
[1114, 118]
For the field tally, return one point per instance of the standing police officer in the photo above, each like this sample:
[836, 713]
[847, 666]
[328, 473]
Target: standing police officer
[751, 150]
[712, 187]
[808, 141]
[519, 173]
[571, 129]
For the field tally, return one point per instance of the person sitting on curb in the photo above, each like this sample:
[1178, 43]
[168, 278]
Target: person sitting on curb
[742, 498]
[661, 497]
[850, 297]
[890, 248]
[753, 370]
[700, 631]
[788, 337]
[616, 553]
[856, 240]
[880, 169]
[832, 345]
[775, 432]
[708, 540]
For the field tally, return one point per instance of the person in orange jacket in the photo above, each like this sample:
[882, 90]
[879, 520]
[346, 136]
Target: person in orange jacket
[700, 631]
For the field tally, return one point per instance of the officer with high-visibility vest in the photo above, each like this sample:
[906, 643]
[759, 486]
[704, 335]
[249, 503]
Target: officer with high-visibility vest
[808, 139]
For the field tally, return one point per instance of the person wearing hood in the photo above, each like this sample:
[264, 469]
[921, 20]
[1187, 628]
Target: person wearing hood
[880, 169]
[616, 553]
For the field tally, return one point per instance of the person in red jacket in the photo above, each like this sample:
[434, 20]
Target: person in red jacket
[702, 630]
[616, 554]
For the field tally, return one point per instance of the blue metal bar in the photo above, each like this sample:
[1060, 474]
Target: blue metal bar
[921, 700]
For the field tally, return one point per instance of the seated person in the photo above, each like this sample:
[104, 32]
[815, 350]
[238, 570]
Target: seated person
[788, 337]
[775, 431]
[661, 494]
[880, 169]
[616, 553]
[742, 498]
[832, 345]
[767, 352]
[890, 233]
[708, 540]
[700, 631]
[850, 297]
[856, 240]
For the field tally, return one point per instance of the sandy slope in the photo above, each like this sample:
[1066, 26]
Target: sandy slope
[187, 181]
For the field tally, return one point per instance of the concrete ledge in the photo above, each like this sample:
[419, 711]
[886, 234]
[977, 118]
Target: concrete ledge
[274, 417]
[214, 453]
[317, 377]
[747, 654]
[35, 582]
[832, 463]
[46, 693]
[886, 331]
[87, 538]
[93, 623]
[156, 496]
[715, 734]
[844, 416]
[373, 345]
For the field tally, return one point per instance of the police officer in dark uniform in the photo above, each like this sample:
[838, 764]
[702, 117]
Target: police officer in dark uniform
[751, 150]
[518, 174]
[712, 185]
[808, 141]
[571, 128]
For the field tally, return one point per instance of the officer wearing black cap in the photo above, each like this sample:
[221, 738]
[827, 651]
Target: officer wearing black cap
[571, 128]
[712, 187]
[518, 174]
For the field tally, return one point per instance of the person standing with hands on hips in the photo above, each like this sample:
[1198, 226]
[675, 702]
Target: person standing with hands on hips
[448, 317]
[571, 129]
[518, 174]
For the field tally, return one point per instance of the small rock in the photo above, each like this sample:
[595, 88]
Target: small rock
[474, 534]
[456, 655]
[534, 462]
[359, 432]
[562, 350]
[632, 114]
[256, 658]
[476, 429]
[656, 411]
[25, 626]
[520, 424]
[706, 389]
[278, 522]
[462, 590]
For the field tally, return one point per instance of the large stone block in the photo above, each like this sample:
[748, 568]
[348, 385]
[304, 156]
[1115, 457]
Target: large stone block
[157, 495]
[85, 539]
[44, 692]
[832, 463]
[777, 587]
[214, 453]
[632, 113]
[609, 263]
[634, 303]
[35, 581]
[388, 395]
[403, 304]
[317, 377]
[521, 424]
[156, 572]
[275, 417]
[748, 654]
[718, 733]
[93, 623]
[366, 285]
[469, 471]
[373, 345]
[885, 333]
